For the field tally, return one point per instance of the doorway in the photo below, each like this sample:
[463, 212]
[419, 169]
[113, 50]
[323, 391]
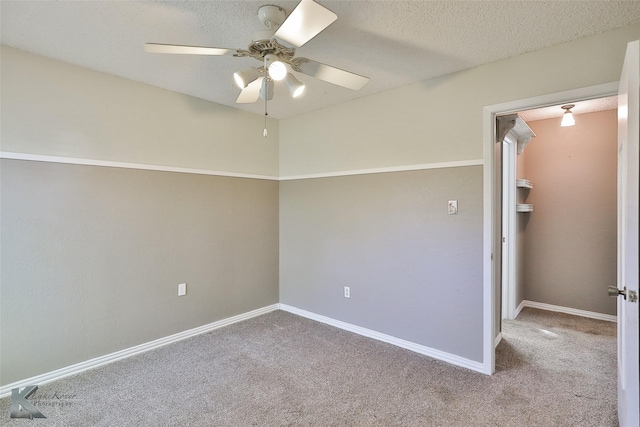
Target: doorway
[559, 211]
[492, 246]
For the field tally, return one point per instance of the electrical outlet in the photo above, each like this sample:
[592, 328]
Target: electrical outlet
[453, 207]
[347, 292]
[182, 289]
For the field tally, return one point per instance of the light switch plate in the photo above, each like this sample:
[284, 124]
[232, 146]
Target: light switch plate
[453, 207]
[182, 289]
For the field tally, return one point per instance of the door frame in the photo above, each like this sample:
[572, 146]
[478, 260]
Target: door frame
[491, 204]
[509, 262]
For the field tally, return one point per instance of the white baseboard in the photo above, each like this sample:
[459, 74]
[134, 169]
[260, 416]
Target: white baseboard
[427, 351]
[519, 309]
[567, 310]
[497, 340]
[132, 351]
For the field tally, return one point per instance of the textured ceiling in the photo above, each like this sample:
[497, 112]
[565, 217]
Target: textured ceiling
[395, 43]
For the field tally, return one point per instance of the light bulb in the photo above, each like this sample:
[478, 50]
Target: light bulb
[567, 119]
[277, 70]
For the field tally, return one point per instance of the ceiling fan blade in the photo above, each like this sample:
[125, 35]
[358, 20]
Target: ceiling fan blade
[251, 93]
[304, 23]
[189, 50]
[331, 74]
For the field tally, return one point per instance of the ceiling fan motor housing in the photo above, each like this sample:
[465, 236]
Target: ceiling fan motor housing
[262, 42]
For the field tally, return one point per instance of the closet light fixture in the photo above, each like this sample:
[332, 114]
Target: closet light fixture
[567, 117]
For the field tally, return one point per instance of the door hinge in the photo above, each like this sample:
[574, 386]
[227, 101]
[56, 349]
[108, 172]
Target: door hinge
[633, 296]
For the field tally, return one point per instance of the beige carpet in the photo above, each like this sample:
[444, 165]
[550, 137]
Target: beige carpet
[280, 369]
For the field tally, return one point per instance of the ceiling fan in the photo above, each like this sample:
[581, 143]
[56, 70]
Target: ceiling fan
[275, 47]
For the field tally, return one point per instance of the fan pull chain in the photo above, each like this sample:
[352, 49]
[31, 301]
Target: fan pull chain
[264, 132]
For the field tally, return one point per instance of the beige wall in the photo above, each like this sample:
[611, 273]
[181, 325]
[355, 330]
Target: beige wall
[570, 237]
[57, 109]
[440, 120]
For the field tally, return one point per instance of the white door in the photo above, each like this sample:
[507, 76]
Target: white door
[628, 142]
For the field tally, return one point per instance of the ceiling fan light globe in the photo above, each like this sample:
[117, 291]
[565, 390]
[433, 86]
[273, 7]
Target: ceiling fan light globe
[297, 92]
[295, 87]
[246, 77]
[239, 81]
[277, 70]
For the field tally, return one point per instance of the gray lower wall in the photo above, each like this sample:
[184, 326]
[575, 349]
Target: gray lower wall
[92, 256]
[415, 272]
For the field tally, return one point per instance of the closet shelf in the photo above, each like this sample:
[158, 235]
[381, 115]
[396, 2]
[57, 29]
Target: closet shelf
[524, 183]
[524, 207]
